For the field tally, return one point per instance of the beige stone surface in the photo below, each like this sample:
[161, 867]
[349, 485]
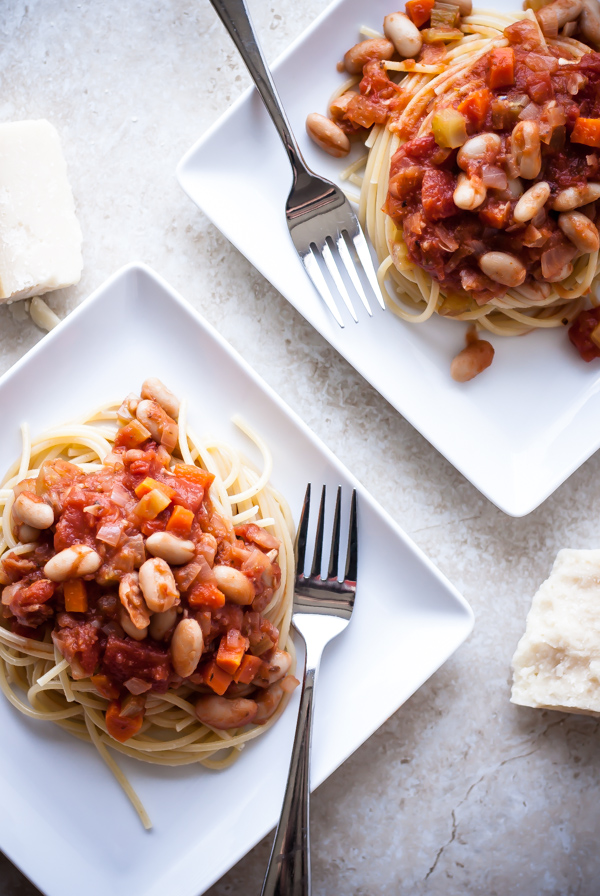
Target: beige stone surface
[460, 792]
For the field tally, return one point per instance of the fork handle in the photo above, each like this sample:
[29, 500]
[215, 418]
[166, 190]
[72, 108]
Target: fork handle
[288, 873]
[236, 18]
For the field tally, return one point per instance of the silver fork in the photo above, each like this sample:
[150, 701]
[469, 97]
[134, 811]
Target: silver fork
[322, 609]
[319, 217]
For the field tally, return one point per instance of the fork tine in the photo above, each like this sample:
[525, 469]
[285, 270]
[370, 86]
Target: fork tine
[318, 557]
[362, 250]
[314, 272]
[352, 557]
[334, 557]
[339, 283]
[352, 272]
[302, 534]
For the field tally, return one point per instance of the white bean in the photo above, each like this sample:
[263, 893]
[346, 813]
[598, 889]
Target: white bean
[557, 14]
[162, 623]
[27, 534]
[33, 511]
[234, 584]
[138, 634]
[404, 34]
[155, 390]
[589, 22]
[161, 427]
[503, 268]
[158, 585]
[279, 667]
[76, 561]
[174, 550]
[469, 192]
[130, 595]
[219, 712]
[526, 149]
[465, 7]
[482, 148]
[267, 702]
[582, 232]
[326, 134]
[473, 359]
[358, 55]
[531, 202]
[574, 197]
[187, 645]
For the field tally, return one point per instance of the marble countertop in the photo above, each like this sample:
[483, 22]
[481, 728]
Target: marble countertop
[460, 792]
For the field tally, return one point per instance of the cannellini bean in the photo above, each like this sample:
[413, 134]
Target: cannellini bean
[531, 202]
[186, 648]
[162, 623]
[515, 187]
[161, 427]
[76, 561]
[473, 359]
[279, 666]
[469, 192]
[130, 595]
[404, 34]
[27, 534]
[503, 268]
[582, 232]
[574, 197]
[174, 550]
[358, 55]
[234, 584]
[326, 134]
[219, 712]
[526, 149]
[589, 22]
[158, 585]
[33, 511]
[482, 148]
[155, 390]
[267, 702]
[465, 7]
[557, 14]
[128, 626]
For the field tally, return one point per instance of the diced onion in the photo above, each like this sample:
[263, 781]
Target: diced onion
[494, 177]
[109, 533]
[137, 686]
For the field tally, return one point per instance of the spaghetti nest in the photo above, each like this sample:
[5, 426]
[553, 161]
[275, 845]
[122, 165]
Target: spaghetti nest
[429, 250]
[54, 658]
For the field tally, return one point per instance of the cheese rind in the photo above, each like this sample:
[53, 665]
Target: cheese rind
[557, 661]
[40, 237]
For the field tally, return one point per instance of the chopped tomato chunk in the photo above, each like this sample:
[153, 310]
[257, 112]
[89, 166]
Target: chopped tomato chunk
[437, 194]
[122, 727]
[205, 594]
[581, 333]
[502, 67]
[476, 106]
[587, 131]
[419, 11]
[190, 483]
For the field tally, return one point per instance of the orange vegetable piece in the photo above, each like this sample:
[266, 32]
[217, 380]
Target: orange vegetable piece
[105, 687]
[180, 521]
[131, 435]
[587, 131]
[216, 678]
[419, 11]
[248, 669]
[502, 67]
[121, 727]
[148, 484]
[75, 596]
[231, 650]
[206, 594]
[152, 504]
[475, 107]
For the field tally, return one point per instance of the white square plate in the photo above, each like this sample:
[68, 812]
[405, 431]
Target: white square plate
[516, 432]
[64, 820]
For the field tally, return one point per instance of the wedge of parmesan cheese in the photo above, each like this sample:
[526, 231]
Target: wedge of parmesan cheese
[557, 661]
[40, 237]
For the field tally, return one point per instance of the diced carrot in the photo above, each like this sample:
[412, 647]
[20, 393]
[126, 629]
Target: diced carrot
[419, 11]
[587, 131]
[75, 596]
[132, 435]
[475, 107]
[248, 669]
[502, 67]
[105, 687]
[122, 727]
[152, 504]
[205, 594]
[148, 484]
[231, 651]
[216, 678]
[180, 521]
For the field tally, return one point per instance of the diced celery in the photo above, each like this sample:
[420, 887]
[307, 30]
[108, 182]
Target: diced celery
[449, 128]
[445, 15]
